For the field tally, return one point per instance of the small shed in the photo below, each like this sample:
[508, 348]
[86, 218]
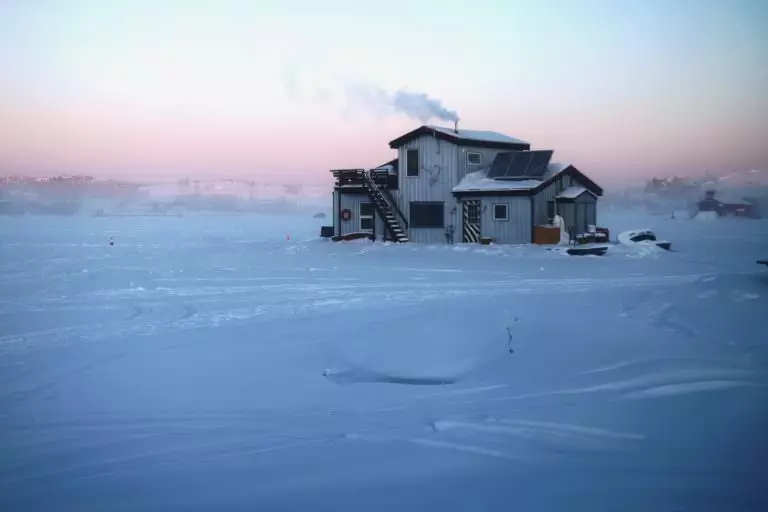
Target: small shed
[578, 207]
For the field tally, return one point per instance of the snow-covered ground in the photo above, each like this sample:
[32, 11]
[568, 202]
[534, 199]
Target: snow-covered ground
[240, 363]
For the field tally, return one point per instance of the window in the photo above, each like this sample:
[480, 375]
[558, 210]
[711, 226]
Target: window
[412, 163]
[366, 216]
[550, 210]
[474, 158]
[427, 214]
[500, 212]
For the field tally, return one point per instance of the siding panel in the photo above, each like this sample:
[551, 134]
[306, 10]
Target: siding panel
[352, 201]
[568, 212]
[437, 177]
[442, 165]
[336, 212]
[516, 230]
[548, 194]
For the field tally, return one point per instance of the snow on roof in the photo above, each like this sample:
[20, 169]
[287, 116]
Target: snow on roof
[480, 135]
[555, 168]
[571, 193]
[479, 181]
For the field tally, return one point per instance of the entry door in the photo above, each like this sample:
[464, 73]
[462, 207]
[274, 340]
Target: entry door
[471, 231]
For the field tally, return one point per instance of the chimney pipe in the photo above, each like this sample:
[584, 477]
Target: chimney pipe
[456, 126]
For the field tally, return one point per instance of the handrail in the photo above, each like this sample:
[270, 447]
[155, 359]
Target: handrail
[391, 200]
[388, 196]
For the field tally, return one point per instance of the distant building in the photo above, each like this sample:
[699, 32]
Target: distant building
[451, 185]
[732, 207]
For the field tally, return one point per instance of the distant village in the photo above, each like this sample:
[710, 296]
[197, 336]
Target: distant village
[83, 194]
[738, 194]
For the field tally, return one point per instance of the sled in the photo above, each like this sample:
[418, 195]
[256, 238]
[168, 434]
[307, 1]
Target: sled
[599, 250]
[351, 236]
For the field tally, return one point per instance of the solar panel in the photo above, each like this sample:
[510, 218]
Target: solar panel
[500, 165]
[520, 164]
[539, 162]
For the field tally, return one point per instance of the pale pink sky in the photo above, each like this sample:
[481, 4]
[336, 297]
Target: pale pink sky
[235, 88]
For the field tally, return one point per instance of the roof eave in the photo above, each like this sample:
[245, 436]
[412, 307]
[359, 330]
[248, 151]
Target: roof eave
[459, 141]
[494, 193]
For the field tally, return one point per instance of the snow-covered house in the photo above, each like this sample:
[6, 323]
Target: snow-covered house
[451, 185]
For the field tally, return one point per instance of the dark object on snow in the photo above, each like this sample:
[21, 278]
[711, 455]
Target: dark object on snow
[642, 236]
[762, 262]
[604, 231]
[361, 375]
[649, 236]
[320, 215]
[352, 236]
[586, 251]
[326, 231]
[742, 208]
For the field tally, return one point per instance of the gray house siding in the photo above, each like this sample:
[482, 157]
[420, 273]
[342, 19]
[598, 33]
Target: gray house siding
[542, 198]
[579, 214]
[515, 230]
[435, 182]
[352, 202]
[336, 213]
[441, 166]
[463, 165]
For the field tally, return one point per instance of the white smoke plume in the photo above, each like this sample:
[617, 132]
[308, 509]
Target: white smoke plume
[361, 95]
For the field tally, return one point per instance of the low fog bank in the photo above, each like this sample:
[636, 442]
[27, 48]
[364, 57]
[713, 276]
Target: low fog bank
[78, 196]
[681, 196]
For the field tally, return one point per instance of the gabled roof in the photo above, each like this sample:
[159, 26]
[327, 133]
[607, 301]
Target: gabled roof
[475, 138]
[393, 163]
[479, 184]
[571, 193]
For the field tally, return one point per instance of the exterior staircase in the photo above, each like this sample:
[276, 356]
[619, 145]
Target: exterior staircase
[386, 207]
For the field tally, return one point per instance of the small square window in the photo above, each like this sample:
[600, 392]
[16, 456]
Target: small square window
[474, 158]
[366, 209]
[500, 212]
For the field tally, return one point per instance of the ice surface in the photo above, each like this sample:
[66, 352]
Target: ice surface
[210, 363]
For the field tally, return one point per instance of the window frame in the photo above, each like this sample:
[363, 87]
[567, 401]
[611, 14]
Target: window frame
[408, 153]
[362, 217]
[506, 212]
[413, 221]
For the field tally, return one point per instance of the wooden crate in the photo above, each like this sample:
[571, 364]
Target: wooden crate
[546, 235]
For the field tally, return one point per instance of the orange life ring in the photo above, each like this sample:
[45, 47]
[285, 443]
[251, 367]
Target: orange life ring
[346, 214]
